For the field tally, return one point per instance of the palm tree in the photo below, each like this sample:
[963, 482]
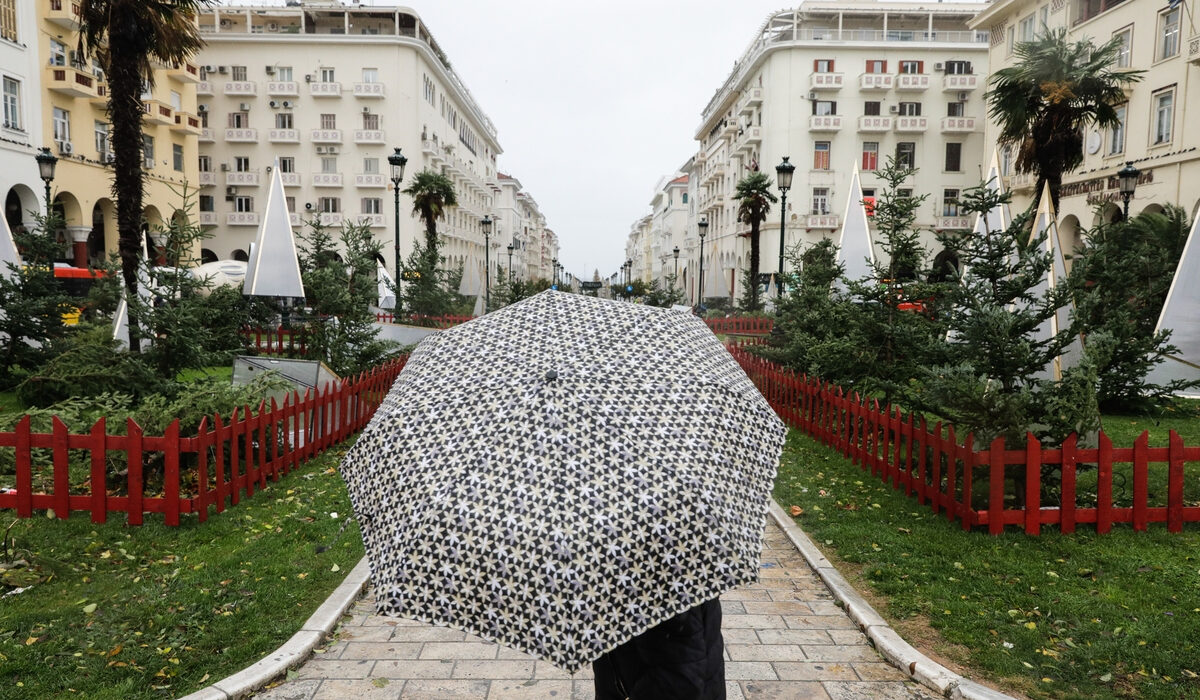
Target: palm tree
[128, 36]
[1056, 89]
[754, 199]
[432, 193]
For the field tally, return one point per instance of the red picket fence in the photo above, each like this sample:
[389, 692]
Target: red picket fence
[741, 326]
[276, 341]
[226, 460]
[930, 464]
[423, 320]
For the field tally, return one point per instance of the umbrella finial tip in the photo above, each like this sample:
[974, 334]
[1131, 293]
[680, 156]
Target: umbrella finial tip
[551, 375]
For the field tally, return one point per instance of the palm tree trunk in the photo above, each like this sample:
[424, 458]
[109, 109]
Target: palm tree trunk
[125, 114]
[753, 266]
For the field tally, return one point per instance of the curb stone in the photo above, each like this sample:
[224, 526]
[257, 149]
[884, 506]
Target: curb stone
[296, 650]
[890, 645]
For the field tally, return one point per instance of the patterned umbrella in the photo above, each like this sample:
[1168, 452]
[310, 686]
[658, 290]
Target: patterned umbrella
[562, 474]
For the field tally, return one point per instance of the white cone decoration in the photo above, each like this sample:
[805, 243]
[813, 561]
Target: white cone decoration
[1181, 316]
[387, 288]
[479, 309]
[1044, 223]
[470, 284]
[714, 283]
[274, 267]
[8, 249]
[998, 218]
[855, 250]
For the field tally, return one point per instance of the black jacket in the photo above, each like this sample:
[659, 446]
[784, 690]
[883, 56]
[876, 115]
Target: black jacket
[680, 659]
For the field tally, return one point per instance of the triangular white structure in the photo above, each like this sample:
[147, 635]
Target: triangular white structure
[714, 283]
[470, 285]
[387, 288]
[855, 250]
[479, 309]
[121, 318]
[8, 249]
[274, 267]
[1044, 224]
[999, 217]
[1181, 316]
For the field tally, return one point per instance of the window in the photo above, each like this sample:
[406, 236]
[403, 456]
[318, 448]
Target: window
[821, 155]
[429, 90]
[871, 109]
[207, 203]
[58, 53]
[822, 108]
[328, 121]
[329, 205]
[205, 164]
[370, 166]
[1168, 30]
[1125, 52]
[283, 74]
[62, 125]
[328, 165]
[953, 157]
[910, 109]
[868, 200]
[176, 101]
[237, 73]
[370, 75]
[906, 155]
[372, 205]
[1027, 28]
[1006, 161]
[870, 155]
[12, 103]
[283, 120]
[823, 65]
[820, 201]
[287, 164]
[1044, 17]
[684, 198]
[1164, 116]
[239, 120]
[100, 134]
[1116, 136]
[243, 204]
[876, 66]
[956, 109]
[1011, 39]
[958, 68]
[327, 75]
[949, 202]
[290, 202]
[241, 164]
[912, 67]
[177, 157]
[370, 122]
[8, 20]
[147, 151]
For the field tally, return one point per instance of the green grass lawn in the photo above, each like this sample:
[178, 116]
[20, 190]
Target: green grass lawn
[1077, 616]
[152, 612]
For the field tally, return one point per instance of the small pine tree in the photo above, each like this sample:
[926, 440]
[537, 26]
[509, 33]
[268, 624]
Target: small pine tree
[32, 303]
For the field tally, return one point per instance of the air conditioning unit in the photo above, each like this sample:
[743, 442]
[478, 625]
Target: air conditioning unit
[366, 110]
[332, 150]
[243, 106]
[287, 104]
[272, 26]
[939, 66]
[224, 167]
[308, 77]
[222, 69]
[962, 97]
[893, 109]
[273, 103]
[65, 148]
[201, 108]
[321, 149]
[108, 158]
[812, 95]
[270, 70]
[231, 189]
[210, 69]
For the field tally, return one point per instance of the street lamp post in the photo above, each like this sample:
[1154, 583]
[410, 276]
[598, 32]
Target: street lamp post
[676, 253]
[1128, 177]
[703, 228]
[46, 163]
[554, 274]
[510, 250]
[397, 161]
[783, 175]
[486, 224]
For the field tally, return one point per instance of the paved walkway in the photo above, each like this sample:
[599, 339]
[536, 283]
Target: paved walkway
[784, 638]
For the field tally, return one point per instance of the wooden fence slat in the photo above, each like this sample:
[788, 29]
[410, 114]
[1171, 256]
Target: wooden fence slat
[968, 482]
[922, 492]
[1033, 485]
[1104, 480]
[1141, 473]
[133, 448]
[951, 472]
[935, 486]
[996, 487]
[1067, 506]
[1175, 483]
[221, 484]
[99, 480]
[62, 469]
[24, 466]
[236, 479]
[171, 473]
[203, 495]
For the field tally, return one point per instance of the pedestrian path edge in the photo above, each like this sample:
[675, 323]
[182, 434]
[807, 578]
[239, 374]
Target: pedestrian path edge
[890, 645]
[295, 650]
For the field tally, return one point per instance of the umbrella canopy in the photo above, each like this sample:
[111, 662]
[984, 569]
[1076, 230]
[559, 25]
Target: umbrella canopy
[564, 473]
[274, 267]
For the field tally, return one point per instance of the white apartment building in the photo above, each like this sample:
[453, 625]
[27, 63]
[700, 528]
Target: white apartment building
[668, 229]
[1153, 135]
[835, 86]
[520, 224]
[329, 90]
[21, 134]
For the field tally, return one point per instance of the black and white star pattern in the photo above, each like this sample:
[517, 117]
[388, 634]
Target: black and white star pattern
[562, 474]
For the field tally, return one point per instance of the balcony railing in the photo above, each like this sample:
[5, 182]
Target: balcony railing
[204, 88]
[208, 218]
[958, 125]
[876, 81]
[64, 13]
[912, 81]
[290, 179]
[187, 123]
[824, 123]
[369, 180]
[959, 83]
[185, 72]
[241, 87]
[368, 90]
[158, 112]
[327, 180]
[325, 89]
[73, 81]
[751, 136]
[874, 123]
[372, 220]
[822, 221]
[825, 81]
[330, 218]
[286, 88]
[207, 178]
[242, 218]
[368, 136]
[326, 136]
[283, 135]
[911, 124]
[953, 223]
[752, 99]
[244, 178]
[206, 136]
[241, 135]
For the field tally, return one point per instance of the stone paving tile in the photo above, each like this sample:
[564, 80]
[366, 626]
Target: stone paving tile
[878, 672]
[531, 690]
[815, 671]
[783, 690]
[764, 652]
[435, 668]
[493, 669]
[444, 690]
[749, 671]
[458, 650]
[333, 668]
[372, 689]
[810, 636]
[381, 650]
[839, 690]
[293, 690]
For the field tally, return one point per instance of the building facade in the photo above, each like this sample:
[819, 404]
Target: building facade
[520, 224]
[21, 78]
[1159, 38]
[835, 87]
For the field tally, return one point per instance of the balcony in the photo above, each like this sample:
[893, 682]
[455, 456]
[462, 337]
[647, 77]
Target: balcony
[325, 89]
[64, 13]
[283, 135]
[952, 223]
[752, 99]
[372, 220]
[750, 138]
[911, 124]
[330, 218]
[207, 179]
[157, 112]
[241, 87]
[185, 72]
[241, 135]
[874, 123]
[287, 88]
[71, 81]
[957, 83]
[242, 218]
[825, 81]
[822, 221]
[244, 178]
[1021, 181]
[204, 88]
[912, 81]
[208, 218]
[876, 81]
[369, 180]
[958, 125]
[206, 136]
[294, 219]
[101, 98]
[327, 180]
[326, 136]
[368, 136]
[827, 122]
[368, 90]
[290, 179]
[187, 123]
